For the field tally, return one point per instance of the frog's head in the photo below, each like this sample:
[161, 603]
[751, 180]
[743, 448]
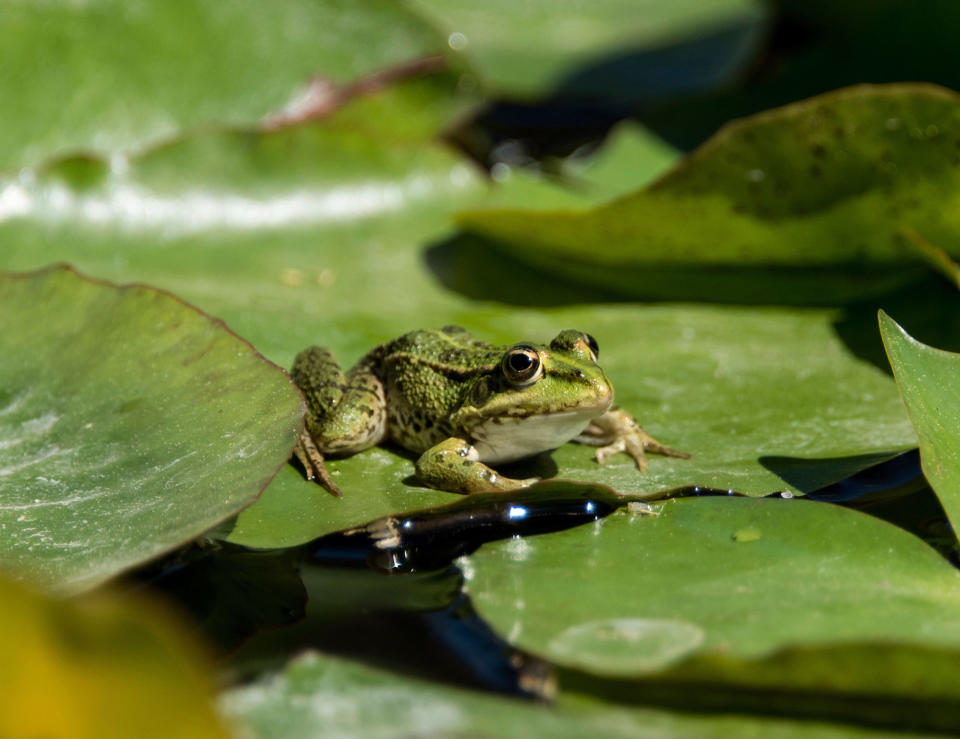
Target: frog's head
[538, 397]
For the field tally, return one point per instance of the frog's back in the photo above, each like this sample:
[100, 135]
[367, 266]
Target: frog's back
[424, 374]
[452, 347]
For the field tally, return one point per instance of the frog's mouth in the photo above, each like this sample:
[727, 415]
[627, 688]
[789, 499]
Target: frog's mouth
[512, 437]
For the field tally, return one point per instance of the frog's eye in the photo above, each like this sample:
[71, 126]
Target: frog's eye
[522, 366]
[594, 347]
[578, 343]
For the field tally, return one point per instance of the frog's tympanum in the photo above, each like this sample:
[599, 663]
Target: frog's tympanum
[463, 404]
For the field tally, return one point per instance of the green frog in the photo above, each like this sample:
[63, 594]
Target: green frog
[463, 404]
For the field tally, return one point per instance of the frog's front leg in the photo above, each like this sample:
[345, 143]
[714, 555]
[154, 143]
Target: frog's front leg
[345, 413]
[455, 466]
[617, 431]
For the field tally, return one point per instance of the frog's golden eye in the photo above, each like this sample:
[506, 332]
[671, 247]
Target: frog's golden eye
[594, 347]
[522, 366]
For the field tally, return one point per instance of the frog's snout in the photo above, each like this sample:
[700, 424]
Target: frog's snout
[603, 392]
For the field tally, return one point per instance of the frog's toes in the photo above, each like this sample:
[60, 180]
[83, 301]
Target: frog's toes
[609, 450]
[623, 445]
[652, 445]
[455, 466]
[312, 460]
[616, 432]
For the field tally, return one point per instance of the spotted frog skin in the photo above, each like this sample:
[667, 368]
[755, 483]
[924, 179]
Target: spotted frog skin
[463, 404]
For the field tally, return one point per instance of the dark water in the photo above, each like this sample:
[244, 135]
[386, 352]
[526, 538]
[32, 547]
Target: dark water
[389, 592]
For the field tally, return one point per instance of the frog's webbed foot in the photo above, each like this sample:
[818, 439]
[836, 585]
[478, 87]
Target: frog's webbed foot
[617, 431]
[454, 465]
[312, 460]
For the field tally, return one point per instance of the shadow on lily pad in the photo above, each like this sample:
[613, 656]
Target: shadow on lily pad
[889, 486]
[929, 309]
[470, 266]
[482, 268]
[857, 474]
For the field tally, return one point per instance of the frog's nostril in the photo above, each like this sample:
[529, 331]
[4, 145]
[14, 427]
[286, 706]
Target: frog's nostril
[605, 390]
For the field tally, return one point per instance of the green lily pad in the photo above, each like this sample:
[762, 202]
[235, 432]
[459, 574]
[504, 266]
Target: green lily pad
[809, 203]
[130, 423]
[350, 699]
[322, 234]
[100, 669]
[722, 589]
[120, 75]
[927, 378]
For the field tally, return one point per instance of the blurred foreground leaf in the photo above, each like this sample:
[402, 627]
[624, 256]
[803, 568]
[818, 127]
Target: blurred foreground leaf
[130, 423]
[344, 698]
[99, 669]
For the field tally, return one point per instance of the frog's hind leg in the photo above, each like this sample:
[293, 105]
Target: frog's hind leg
[345, 413]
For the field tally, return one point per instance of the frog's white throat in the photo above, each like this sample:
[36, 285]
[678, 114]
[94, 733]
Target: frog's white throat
[508, 438]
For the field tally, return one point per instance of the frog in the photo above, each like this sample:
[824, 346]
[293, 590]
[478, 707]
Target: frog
[463, 405]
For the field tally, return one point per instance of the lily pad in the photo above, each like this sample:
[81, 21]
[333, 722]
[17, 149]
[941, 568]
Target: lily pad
[605, 48]
[349, 699]
[768, 595]
[130, 423]
[100, 668]
[787, 206]
[320, 234]
[121, 75]
[928, 381]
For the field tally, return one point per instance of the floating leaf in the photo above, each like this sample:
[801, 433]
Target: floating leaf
[130, 423]
[349, 699]
[121, 74]
[99, 669]
[746, 595]
[929, 382]
[803, 204]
